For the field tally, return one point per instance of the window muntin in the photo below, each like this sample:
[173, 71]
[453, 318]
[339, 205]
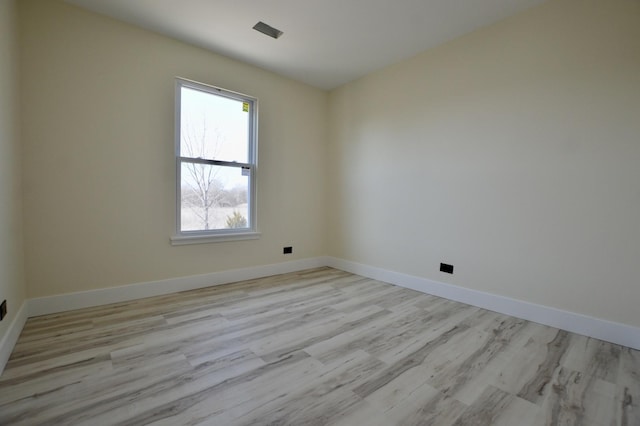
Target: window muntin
[215, 161]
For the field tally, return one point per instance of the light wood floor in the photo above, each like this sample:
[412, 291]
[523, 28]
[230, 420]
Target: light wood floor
[320, 347]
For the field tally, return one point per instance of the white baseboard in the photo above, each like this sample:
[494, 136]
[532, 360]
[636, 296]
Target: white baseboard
[609, 331]
[11, 336]
[85, 299]
[618, 333]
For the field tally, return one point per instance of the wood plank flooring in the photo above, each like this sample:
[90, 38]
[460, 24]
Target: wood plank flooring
[319, 347]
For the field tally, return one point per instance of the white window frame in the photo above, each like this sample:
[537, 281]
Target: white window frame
[217, 235]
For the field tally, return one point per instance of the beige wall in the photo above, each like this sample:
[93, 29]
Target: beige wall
[12, 287]
[98, 143]
[512, 153]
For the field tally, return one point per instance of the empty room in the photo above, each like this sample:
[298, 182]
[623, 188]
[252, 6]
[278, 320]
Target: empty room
[357, 212]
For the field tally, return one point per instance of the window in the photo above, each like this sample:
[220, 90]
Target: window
[215, 164]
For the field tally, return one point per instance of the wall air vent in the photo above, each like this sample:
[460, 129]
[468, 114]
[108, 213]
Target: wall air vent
[267, 29]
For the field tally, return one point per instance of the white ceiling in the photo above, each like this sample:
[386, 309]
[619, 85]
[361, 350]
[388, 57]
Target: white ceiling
[326, 43]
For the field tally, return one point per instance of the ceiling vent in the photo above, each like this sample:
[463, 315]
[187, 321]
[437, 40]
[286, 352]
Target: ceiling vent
[267, 29]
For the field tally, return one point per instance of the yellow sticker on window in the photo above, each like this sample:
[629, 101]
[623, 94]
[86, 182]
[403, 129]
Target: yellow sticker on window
[245, 106]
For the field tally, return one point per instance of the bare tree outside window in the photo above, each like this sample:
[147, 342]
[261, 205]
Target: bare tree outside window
[204, 190]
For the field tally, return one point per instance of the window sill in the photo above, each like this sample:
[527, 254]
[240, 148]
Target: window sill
[181, 240]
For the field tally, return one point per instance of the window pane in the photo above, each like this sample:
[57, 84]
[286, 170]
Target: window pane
[213, 127]
[213, 197]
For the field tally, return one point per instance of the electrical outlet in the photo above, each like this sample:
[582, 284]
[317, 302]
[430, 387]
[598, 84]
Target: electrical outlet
[287, 250]
[448, 269]
[3, 310]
